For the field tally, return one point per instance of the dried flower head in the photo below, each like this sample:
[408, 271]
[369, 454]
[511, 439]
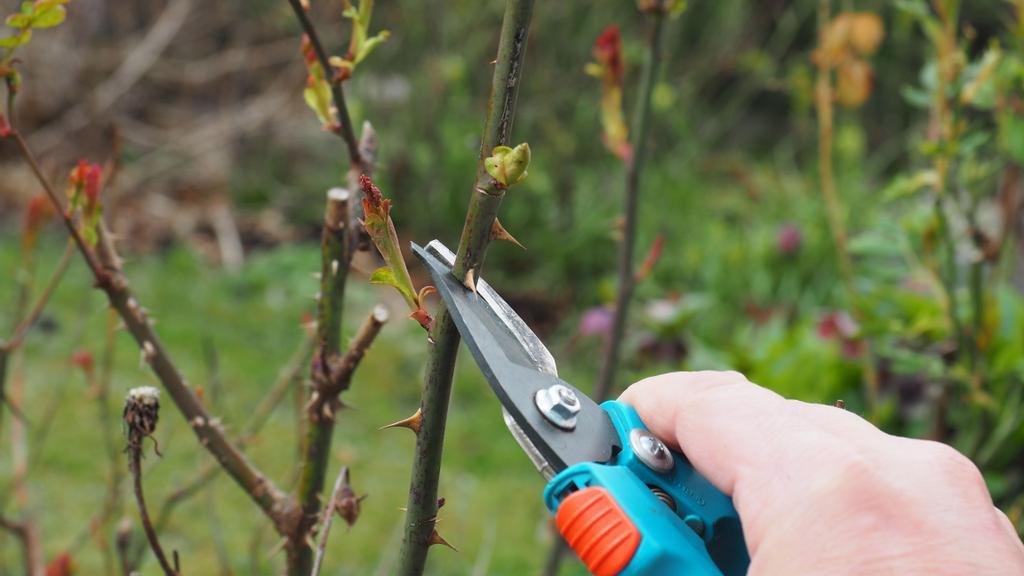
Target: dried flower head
[141, 413]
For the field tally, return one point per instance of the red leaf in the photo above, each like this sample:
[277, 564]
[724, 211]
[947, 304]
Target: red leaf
[38, 212]
[608, 52]
[62, 565]
[78, 173]
[92, 187]
[423, 317]
[652, 258]
[373, 194]
[308, 53]
[83, 359]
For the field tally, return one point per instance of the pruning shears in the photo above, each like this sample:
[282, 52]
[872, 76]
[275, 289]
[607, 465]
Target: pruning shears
[622, 500]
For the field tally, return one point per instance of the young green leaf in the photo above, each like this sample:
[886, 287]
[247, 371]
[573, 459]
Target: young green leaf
[49, 16]
[84, 194]
[361, 44]
[378, 225]
[385, 276]
[317, 95]
[16, 40]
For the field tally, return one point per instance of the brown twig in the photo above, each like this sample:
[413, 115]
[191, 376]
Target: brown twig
[31, 547]
[18, 335]
[345, 130]
[327, 519]
[339, 241]
[210, 470]
[135, 457]
[634, 168]
[106, 269]
[320, 413]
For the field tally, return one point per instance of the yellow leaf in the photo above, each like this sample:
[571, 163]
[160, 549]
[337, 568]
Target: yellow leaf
[866, 32]
[854, 80]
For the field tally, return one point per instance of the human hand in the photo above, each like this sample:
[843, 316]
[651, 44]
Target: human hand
[822, 491]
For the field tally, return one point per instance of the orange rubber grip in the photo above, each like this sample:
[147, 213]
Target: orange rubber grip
[598, 530]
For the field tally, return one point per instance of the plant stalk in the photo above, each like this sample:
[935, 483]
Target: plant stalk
[634, 168]
[331, 371]
[320, 413]
[135, 455]
[346, 131]
[824, 97]
[485, 199]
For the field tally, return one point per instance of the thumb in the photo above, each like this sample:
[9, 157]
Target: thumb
[751, 443]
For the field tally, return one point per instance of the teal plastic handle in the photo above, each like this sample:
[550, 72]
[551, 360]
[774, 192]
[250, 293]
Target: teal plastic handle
[686, 525]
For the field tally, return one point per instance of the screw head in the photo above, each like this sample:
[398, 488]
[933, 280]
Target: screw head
[559, 405]
[651, 451]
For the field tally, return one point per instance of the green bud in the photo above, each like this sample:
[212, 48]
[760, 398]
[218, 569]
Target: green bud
[508, 165]
[670, 7]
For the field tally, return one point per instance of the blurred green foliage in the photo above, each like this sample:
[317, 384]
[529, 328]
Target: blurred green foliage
[748, 279]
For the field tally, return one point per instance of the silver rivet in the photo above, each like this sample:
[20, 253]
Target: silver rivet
[650, 450]
[559, 405]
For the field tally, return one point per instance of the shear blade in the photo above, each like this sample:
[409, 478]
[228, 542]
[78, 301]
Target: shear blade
[517, 365]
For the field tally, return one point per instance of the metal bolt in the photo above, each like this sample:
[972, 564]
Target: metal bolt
[650, 450]
[559, 405]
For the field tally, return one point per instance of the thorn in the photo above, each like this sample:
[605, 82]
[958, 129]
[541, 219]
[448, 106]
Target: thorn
[841, 404]
[412, 422]
[440, 503]
[469, 281]
[334, 267]
[147, 353]
[436, 538]
[498, 232]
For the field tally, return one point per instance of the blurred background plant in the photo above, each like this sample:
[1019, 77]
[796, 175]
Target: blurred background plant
[219, 203]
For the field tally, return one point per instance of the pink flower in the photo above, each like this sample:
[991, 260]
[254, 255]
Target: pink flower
[841, 327]
[789, 239]
[596, 321]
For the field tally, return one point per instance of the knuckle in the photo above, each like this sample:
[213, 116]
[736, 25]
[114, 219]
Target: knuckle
[733, 377]
[860, 469]
[956, 468]
[858, 486]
